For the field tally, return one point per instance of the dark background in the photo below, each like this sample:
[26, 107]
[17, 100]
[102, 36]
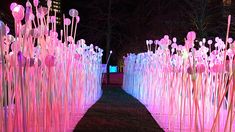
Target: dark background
[131, 22]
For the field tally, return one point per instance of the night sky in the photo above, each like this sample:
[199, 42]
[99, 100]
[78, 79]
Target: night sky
[134, 21]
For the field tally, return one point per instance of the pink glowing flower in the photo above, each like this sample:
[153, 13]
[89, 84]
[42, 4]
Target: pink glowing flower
[149, 42]
[191, 36]
[164, 42]
[42, 11]
[73, 12]
[230, 53]
[174, 40]
[35, 3]
[67, 21]
[77, 19]
[77, 56]
[209, 42]
[70, 39]
[18, 12]
[29, 11]
[190, 70]
[219, 43]
[200, 68]
[81, 42]
[174, 45]
[156, 42]
[53, 34]
[13, 5]
[217, 68]
[230, 40]
[215, 52]
[50, 61]
[53, 19]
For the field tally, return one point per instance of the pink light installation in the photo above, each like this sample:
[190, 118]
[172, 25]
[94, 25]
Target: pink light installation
[188, 89]
[48, 87]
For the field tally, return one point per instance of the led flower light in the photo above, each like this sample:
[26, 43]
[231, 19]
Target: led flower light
[184, 90]
[44, 92]
[18, 12]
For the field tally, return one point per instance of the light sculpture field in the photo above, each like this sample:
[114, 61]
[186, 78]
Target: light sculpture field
[184, 88]
[47, 83]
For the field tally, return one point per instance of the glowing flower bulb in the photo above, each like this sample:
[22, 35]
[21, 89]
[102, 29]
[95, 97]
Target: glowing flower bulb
[217, 39]
[35, 3]
[209, 42]
[13, 5]
[149, 42]
[73, 12]
[18, 12]
[28, 11]
[200, 68]
[230, 53]
[174, 45]
[81, 41]
[200, 43]
[67, 21]
[70, 39]
[164, 42]
[204, 40]
[77, 19]
[190, 70]
[31, 17]
[77, 56]
[53, 19]
[230, 40]
[156, 42]
[166, 37]
[49, 3]
[42, 11]
[50, 61]
[191, 36]
[174, 40]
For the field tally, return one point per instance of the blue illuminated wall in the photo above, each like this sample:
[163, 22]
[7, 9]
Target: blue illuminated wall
[113, 69]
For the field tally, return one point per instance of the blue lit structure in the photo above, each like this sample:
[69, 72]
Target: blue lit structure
[113, 69]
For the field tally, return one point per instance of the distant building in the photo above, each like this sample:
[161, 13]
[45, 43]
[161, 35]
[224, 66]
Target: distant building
[56, 7]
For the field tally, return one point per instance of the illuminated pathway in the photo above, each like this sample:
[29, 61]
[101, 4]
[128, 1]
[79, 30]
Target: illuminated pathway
[117, 111]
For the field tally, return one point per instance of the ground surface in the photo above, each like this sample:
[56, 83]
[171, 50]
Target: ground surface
[116, 111]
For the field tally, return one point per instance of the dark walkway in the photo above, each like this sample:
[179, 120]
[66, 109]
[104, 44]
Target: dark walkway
[117, 111]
